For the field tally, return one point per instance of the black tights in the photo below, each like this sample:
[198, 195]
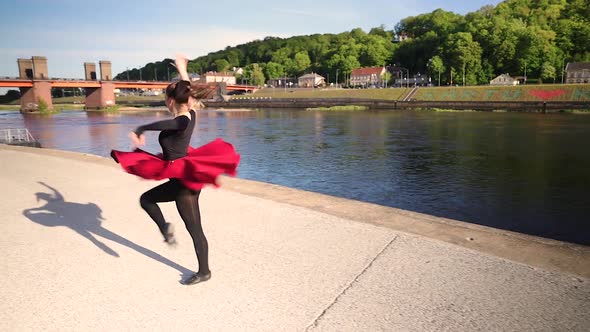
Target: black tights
[187, 203]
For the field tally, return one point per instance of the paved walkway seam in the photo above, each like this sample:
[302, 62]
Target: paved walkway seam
[350, 284]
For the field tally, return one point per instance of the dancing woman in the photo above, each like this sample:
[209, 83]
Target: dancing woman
[187, 169]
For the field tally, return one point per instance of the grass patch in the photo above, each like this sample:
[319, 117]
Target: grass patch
[111, 109]
[435, 109]
[134, 99]
[9, 107]
[339, 108]
[276, 93]
[42, 106]
[484, 93]
[519, 93]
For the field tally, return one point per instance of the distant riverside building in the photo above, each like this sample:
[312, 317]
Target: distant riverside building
[214, 77]
[369, 76]
[577, 72]
[504, 79]
[238, 70]
[401, 37]
[192, 77]
[311, 80]
[282, 81]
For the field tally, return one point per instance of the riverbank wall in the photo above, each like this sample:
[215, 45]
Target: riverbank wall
[526, 106]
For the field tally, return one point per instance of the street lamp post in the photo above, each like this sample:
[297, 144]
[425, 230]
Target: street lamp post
[463, 73]
[336, 77]
[407, 76]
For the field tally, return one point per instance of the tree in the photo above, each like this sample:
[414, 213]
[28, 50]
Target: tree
[281, 56]
[300, 63]
[381, 32]
[234, 56]
[376, 51]
[274, 70]
[482, 44]
[548, 71]
[10, 96]
[254, 73]
[344, 64]
[435, 65]
[222, 65]
[463, 55]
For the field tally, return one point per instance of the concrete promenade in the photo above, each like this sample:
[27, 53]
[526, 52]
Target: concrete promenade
[79, 254]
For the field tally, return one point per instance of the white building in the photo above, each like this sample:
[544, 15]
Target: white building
[504, 79]
[214, 77]
[311, 80]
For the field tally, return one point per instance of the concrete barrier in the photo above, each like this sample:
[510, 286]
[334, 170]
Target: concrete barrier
[395, 105]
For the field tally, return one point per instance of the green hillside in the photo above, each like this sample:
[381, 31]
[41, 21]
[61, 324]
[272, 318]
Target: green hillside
[518, 37]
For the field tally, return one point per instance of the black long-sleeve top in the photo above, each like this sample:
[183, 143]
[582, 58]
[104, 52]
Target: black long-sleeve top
[175, 136]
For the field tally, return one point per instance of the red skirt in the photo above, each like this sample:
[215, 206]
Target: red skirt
[199, 167]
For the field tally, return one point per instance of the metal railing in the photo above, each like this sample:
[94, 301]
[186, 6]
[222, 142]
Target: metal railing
[16, 135]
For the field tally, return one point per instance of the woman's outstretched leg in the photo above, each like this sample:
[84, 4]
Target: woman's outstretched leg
[188, 208]
[166, 192]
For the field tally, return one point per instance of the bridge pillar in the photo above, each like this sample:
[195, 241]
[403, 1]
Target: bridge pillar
[100, 97]
[90, 71]
[222, 89]
[25, 68]
[32, 98]
[105, 70]
[40, 68]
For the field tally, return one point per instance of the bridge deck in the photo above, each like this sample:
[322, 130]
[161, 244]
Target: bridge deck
[75, 83]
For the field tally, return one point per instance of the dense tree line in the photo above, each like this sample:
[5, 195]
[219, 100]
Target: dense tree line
[518, 37]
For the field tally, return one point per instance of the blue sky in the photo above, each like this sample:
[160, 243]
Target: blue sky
[132, 33]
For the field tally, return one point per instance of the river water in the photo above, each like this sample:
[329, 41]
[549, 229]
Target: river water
[524, 172]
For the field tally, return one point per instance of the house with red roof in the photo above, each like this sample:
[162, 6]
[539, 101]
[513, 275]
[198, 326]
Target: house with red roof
[367, 77]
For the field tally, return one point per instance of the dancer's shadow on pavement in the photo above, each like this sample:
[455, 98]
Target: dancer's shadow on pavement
[85, 219]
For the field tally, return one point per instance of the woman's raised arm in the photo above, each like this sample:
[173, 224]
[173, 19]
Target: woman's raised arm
[181, 64]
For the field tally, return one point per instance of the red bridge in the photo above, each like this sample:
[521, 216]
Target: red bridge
[34, 85]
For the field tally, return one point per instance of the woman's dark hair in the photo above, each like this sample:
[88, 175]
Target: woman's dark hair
[179, 91]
